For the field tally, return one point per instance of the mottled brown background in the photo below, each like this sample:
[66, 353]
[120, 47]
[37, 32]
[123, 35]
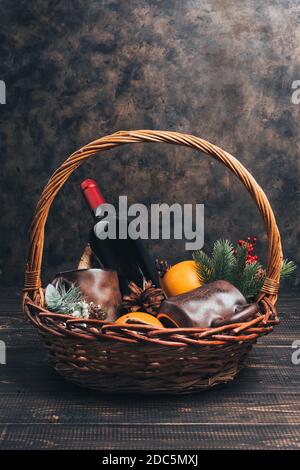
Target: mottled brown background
[77, 70]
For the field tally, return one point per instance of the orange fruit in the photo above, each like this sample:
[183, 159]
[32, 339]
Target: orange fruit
[181, 277]
[140, 317]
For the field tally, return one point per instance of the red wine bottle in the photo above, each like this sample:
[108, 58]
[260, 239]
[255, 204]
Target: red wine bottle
[126, 256]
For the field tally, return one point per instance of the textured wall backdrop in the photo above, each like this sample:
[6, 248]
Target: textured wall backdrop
[77, 70]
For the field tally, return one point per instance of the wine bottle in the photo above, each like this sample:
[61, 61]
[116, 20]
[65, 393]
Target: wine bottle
[126, 256]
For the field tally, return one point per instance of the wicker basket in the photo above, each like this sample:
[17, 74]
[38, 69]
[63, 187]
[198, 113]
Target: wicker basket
[114, 358]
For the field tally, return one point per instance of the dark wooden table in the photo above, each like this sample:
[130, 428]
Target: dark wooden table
[39, 410]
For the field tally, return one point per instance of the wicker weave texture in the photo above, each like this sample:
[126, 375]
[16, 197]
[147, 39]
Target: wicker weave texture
[140, 358]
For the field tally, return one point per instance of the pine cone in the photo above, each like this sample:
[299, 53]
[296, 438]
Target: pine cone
[97, 312]
[162, 266]
[146, 299]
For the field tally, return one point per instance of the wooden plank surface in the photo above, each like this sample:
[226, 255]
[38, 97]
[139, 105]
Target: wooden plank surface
[39, 410]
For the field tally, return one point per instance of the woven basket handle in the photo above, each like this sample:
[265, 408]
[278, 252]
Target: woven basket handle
[57, 180]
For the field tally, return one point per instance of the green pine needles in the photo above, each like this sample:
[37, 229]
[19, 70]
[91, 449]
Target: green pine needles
[231, 264]
[68, 299]
[59, 299]
[287, 268]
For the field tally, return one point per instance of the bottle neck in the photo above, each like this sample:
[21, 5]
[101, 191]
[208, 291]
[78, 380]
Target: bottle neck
[92, 194]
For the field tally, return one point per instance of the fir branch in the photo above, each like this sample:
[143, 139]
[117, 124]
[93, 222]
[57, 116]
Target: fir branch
[233, 265]
[222, 260]
[287, 268]
[72, 296]
[251, 280]
[204, 266]
[58, 298]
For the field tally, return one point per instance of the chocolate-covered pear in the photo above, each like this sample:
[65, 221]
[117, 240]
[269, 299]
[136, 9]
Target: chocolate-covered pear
[214, 304]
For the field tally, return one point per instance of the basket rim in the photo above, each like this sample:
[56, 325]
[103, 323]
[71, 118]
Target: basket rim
[62, 325]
